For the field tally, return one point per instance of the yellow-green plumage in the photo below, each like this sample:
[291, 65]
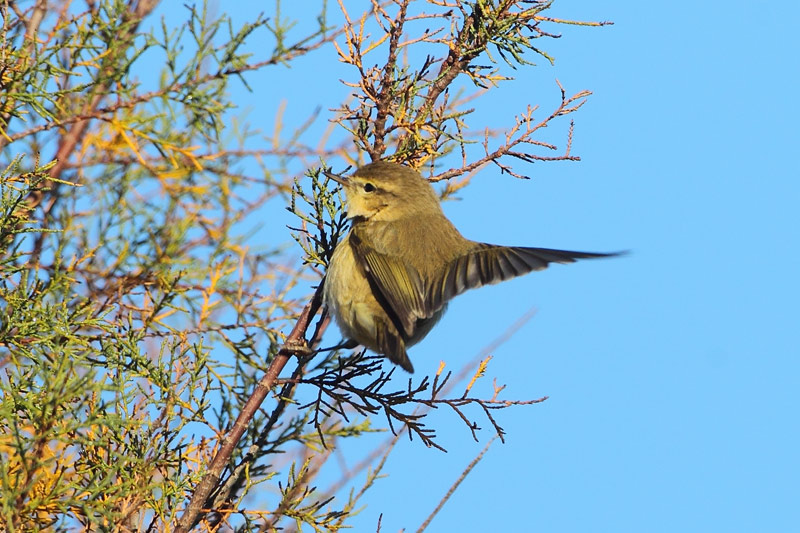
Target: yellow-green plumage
[391, 277]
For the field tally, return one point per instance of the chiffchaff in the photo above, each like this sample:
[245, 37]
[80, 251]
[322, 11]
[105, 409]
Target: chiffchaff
[390, 278]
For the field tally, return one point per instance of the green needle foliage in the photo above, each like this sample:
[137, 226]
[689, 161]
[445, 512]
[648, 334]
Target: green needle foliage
[140, 304]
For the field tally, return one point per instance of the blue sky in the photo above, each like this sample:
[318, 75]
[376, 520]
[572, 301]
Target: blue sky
[673, 372]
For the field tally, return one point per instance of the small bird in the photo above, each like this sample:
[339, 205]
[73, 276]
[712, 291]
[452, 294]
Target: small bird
[390, 278]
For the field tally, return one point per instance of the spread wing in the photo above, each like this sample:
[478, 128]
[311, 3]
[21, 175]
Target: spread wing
[487, 263]
[407, 298]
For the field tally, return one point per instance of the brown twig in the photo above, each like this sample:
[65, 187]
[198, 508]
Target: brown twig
[567, 105]
[238, 475]
[295, 345]
[383, 101]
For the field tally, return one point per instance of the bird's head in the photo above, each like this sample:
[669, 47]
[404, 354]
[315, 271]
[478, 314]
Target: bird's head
[384, 191]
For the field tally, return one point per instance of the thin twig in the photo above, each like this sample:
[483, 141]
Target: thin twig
[455, 485]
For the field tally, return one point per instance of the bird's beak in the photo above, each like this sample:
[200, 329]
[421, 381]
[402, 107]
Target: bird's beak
[341, 180]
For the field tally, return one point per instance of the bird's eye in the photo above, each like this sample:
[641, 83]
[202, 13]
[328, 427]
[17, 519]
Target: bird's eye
[368, 187]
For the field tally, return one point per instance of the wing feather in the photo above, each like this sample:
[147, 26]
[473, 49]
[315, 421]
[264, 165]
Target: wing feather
[398, 283]
[487, 264]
